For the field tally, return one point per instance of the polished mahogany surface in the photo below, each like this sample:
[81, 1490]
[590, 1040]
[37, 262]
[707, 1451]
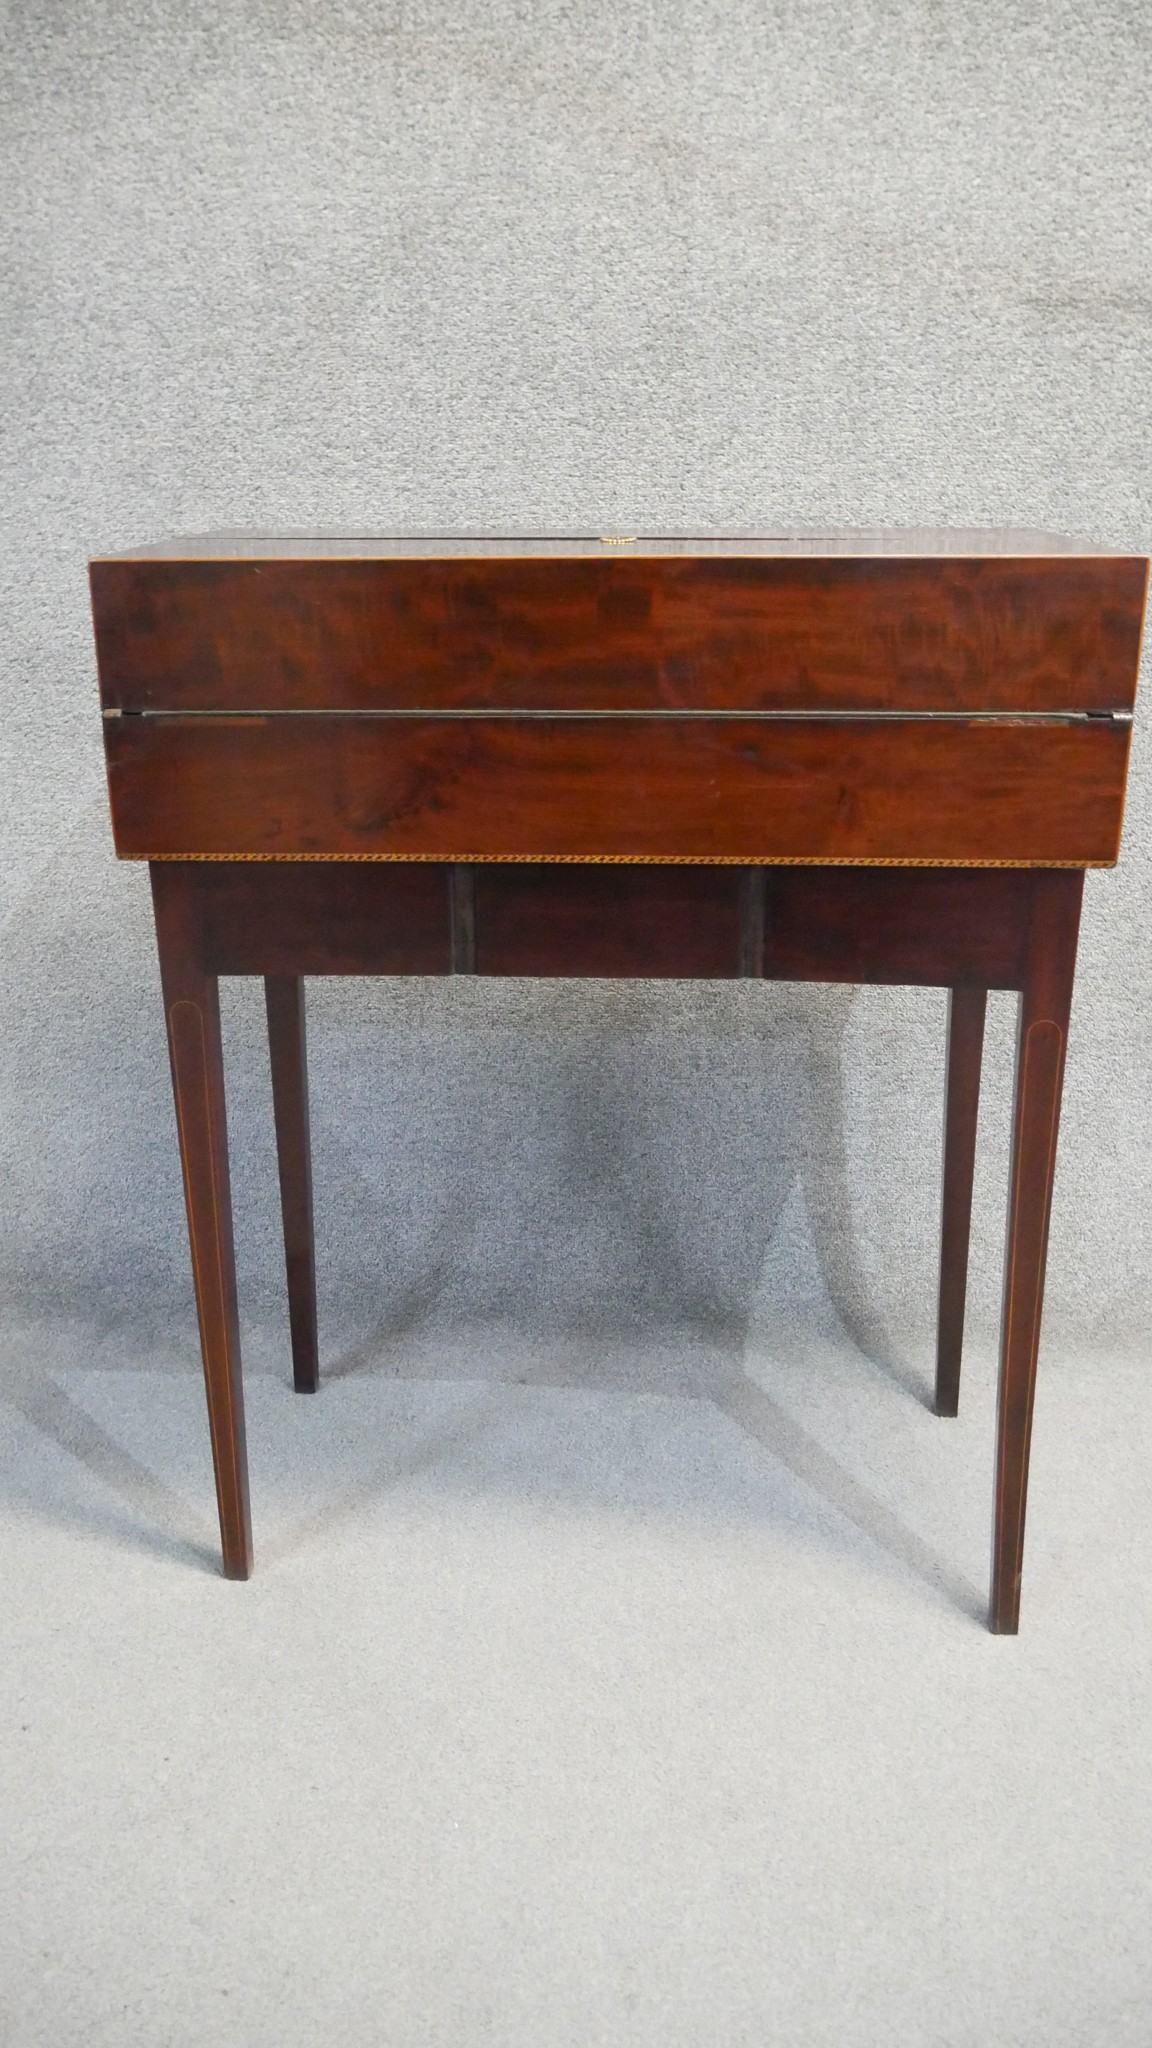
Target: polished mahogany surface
[675, 627]
[850, 699]
[532, 790]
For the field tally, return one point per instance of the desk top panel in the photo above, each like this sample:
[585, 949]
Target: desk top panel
[897, 623]
[916, 541]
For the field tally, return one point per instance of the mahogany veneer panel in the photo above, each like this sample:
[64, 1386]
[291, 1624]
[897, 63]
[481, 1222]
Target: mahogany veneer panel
[937, 792]
[394, 918]
[545, 920]
[902, 925]
[620, 630]
[324, 918]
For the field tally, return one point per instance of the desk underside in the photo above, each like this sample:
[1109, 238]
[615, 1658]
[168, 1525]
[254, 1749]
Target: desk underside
[936, 927]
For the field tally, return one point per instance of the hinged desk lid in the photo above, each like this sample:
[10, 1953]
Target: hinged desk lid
[944, 699]
[897, 622]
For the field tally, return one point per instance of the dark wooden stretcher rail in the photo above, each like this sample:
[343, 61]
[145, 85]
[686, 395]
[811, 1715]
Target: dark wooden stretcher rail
[880, 758]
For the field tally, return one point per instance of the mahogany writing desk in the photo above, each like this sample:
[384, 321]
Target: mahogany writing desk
[869, 759]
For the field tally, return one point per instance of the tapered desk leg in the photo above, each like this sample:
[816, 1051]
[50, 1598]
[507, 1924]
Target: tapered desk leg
[966, 1013]
[1044, 1007]
[284, 996]
[192, 1010]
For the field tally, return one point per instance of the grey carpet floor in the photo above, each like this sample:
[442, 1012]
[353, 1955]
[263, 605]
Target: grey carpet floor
[562, 1709]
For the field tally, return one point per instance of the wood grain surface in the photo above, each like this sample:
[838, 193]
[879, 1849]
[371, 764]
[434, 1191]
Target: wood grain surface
[939, 792]
[621, 631]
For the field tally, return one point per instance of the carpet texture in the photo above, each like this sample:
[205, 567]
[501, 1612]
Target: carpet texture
[612, 1671]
